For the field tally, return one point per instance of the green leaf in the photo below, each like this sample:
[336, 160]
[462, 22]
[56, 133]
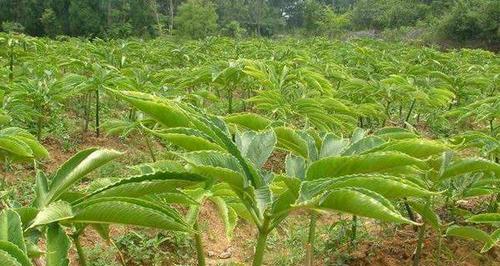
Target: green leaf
[189, 142]
[229, 216]
[4, 118]
[11, 228]
[248, 120]
[470, 165]
[358, 134]
[295, 166]
[489, 218]
[428, 215]
[27, 214]
[387, 186]
[76, 168]
[56, 211]
[41, 189]
[138, 186]
[256, 146]
[217, 165]
[291, 141]
[362, 203]
[37, 149]
[129, 211]
[363, 145]
[333, 145]
[164, 111]
[263, 199]
[213, 158]
[418, 148]
[159, 166]
[471, 233]
[11, 254]
[58, 245]
[15, 146]
[393, 133]
[379, 162]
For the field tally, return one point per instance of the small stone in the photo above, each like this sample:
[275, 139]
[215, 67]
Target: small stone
[211, 254]
[226, 254]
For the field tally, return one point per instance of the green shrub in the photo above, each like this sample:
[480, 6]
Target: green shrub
[380, 14]
[233, 29]
[9, 26]
[472, 20]
[196, 19]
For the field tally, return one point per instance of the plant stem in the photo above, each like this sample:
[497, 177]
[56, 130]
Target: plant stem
[409, 112]
[230, 101]
[200, 253]
[311, 238]
[150, 148]
[85, 112]
[408, 209]
[120, 254]
[411, 215]
[97, 113]
[493, 206]
[260, 248]
[79, 249]
[39, 128]
[421, 233]
[11, 63]
[354, 227]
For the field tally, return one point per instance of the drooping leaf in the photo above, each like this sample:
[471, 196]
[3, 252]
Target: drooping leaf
[428, 215]
[470, 165]
[295, 166]
[162, 110]
[389, 133]
[190, 143]
[129, 211]
[363, 145]
[418, 148]
[291, 141]
[58, 245]
[488, 218]
[147, 184]
[248, 120]
[256, 146]
[11, 229]
[27, 214]
[333, 146]
[229, 216]
[11, 254]
[472, 233]
[379, 162]
[76, 168]
[56, 211]
[387, 186]
[361, 202]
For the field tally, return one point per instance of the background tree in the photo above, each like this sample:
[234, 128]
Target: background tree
[196, 19]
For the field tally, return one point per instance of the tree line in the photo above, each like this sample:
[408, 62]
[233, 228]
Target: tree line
[459, 20]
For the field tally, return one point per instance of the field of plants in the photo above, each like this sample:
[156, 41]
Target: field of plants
[247, 152]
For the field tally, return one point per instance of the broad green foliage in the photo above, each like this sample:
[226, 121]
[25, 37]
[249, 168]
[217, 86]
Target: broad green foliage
[122, 201]
[18, 144]
[239, 164]
[259, 128]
